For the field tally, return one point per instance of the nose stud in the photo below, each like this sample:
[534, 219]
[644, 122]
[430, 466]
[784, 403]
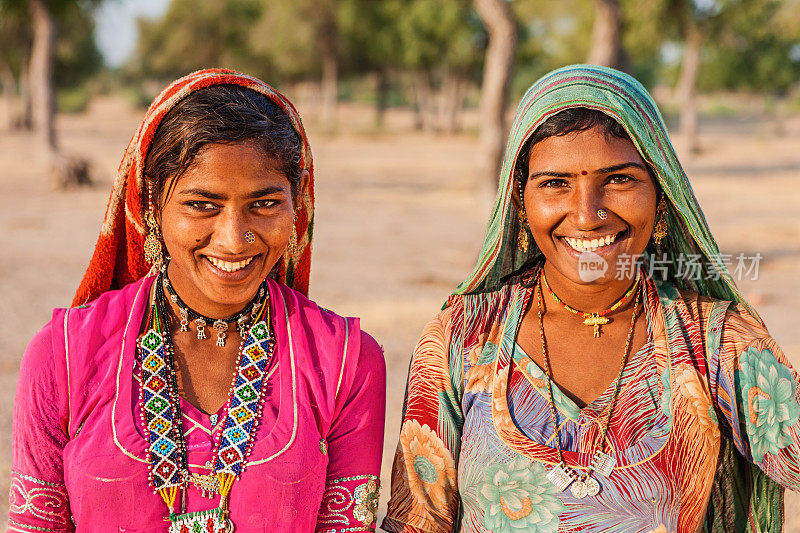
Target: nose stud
[601, 213]
[249, 236]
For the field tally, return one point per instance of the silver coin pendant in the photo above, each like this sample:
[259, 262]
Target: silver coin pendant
[592, 486]
[579, 489]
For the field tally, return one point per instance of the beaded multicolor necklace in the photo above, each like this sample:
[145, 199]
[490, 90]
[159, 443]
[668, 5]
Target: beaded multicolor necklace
[161, 416]
[562, 476]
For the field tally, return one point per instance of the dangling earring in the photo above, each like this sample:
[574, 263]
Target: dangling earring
[293, 237]
[152, 244]
[522, 239]
[660, 229]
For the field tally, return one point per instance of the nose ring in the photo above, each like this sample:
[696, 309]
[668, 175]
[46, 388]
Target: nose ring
[249, 236]
[601, 213]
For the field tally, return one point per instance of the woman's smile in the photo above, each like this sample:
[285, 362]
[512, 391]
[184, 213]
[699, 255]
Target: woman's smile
[600, 245]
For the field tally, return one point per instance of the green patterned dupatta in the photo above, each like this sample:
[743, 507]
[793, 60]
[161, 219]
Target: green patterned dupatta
[743, 497]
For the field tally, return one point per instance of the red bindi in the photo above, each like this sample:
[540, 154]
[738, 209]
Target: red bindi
[583, 172]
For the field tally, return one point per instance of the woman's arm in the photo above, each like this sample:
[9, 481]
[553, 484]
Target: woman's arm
[354, 445]
[424, 486]
[758, 392]
[38, 497]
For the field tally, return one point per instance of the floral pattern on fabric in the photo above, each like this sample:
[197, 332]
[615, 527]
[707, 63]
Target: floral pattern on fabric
[349, 504]
[665, 435]
[518, 497]
[480, 359]
[697, 402]
[768, 388]
[428, 463]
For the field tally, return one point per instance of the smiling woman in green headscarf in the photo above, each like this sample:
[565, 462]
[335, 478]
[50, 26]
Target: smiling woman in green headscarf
[598, 370]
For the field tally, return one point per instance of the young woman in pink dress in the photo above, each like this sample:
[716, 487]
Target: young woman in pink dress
[193, 386]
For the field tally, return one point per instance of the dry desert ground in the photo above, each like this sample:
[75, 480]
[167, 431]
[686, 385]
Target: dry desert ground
[400, 218]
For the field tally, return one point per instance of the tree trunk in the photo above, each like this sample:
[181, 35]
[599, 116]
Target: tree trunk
[41, 77]
[499, 22]
[381, 96]
[9, 85]
[426, 118]
[327, 33]
[330, 92]
[687, 83]
[65, 171]
[452, 100]
[24, 120]
[606, 48]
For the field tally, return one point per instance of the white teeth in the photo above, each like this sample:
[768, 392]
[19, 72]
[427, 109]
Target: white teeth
[228, 266]
[583, 245]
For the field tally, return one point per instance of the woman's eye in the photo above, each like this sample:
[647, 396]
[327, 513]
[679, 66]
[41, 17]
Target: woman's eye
[556, 182]
[265, 203]
[619, 178]
[201, 206]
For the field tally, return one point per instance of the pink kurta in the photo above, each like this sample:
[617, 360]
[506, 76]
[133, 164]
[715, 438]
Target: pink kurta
[79, 446]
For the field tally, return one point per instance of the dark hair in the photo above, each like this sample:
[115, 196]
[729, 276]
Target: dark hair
[221, 114]
[568, 121]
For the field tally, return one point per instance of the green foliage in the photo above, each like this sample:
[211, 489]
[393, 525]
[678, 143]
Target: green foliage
[72, 100]
[15, 37]
[549, 35]
[283, 38]
[196, 34]
[77, 57]
[748, 44]
[752, 49]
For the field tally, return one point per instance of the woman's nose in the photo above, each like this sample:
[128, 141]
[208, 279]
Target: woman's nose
[230, 230]
[587, 201]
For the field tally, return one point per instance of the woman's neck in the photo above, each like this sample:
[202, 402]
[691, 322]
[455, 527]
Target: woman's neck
[593, 297]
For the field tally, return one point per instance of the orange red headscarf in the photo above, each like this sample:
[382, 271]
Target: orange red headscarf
[119, 254]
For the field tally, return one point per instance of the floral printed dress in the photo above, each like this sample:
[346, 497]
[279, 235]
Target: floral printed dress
[477, 438]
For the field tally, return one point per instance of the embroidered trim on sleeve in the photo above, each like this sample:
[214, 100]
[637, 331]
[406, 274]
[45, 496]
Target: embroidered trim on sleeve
[37, 505]
[349, 504]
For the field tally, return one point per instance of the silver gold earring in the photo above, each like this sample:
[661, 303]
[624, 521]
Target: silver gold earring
[293, 237]
[152, 244]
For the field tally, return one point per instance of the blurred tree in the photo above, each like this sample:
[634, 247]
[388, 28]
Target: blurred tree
[438, 41]
[365, 51]
[606, 48]
[301, 40]
[753, 48]
[550, 35]
[195, 34]
[501, 26]
[693, 21]
[324, 19]
[15, 44]
[44, 17]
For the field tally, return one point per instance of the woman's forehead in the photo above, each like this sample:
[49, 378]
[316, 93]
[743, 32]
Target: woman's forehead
[589, 149]
[232, 170]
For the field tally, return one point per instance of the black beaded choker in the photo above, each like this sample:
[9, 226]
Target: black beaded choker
[220, 325]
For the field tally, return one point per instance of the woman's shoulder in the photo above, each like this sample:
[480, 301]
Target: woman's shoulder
[113, 304]
[733, 320]
[330, 328]
[108, 310]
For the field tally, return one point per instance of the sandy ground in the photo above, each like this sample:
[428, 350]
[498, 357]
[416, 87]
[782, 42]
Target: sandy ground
[400, 219]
